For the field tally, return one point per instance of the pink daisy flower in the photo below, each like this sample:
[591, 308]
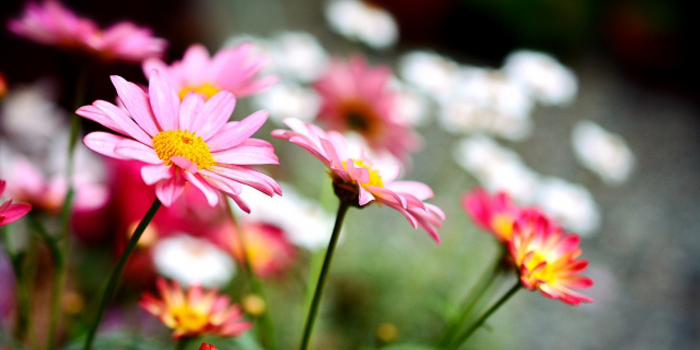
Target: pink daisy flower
[10, 212]
[267, 247]
[52, 24]
[234, 70]
[183, 141]
[359, 181]
[356, 97]
[495, 213]
[545, 257]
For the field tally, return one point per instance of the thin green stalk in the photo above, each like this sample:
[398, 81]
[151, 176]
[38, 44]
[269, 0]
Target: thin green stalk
[61, 268]
[313, 309]
[182, 343]
[465, 336]
[267, 332]
[116, 273]
[470, 301]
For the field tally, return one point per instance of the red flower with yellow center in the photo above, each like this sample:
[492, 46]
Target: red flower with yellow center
[546, 259]
[195, 312]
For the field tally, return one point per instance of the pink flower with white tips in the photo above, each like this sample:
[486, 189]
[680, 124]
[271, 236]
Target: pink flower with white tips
[10, 212]
[234, 70]
[359, 181]
[357, 97]
[52, 24]
[183, 141]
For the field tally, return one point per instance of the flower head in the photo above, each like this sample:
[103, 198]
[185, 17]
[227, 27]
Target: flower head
[183, 141]
[360, 180]
[496, 213]
[10, 212]
[53, 24]
[545, 257]
[267, 248]
[206, 346]
[363, 21]
[356, 97]
[194, 311]
[234, 70]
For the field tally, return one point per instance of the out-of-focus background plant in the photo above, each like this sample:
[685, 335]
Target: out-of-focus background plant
[585, 109]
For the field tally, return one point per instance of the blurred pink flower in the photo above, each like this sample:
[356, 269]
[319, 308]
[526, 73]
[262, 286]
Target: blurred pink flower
[183, 141]
[53, 24]
[356, 97]
[359, 180]
[545, 257]
[234, 70]
[495, 213]
[10, 212]
[3, 86]
[195, 311]
[268, 249]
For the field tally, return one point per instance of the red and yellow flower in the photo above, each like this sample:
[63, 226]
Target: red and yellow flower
[195, 312]
[546, 259]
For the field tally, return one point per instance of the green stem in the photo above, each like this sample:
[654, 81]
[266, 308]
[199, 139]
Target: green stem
[183, 342]
[61, 268]
[267, 332]
[470, 301]
[465, 336]
[313, 309]
[116, 273]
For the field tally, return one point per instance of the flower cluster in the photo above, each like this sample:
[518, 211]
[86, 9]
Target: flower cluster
[542, 253]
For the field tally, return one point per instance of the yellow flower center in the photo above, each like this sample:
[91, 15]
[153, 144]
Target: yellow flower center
[375, 180]
[207, 90]
[183, 143]
[188, 318]
[544, 274]
[503, 226]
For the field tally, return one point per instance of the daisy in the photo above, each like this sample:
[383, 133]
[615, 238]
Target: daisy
[52, 24]
[183, 141]
[357, 97]
[358, 180]
[545, 78]
[233, 69]
[602, 152]
[364, 22]
[195, 311]
[545, 257]
[495, 213]
[10, 212]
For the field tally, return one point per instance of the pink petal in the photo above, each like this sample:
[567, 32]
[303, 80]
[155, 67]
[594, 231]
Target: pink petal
[95, 114]
[164, 101]
[194, 64]
[170, 190]
[137, 103]
[190, 110]
[104, 143]
[248, 152]
[250, 177]
[211, 194]
[14, 212]
[418, 189]
[130, 149]
[124, 122]
[152, 174]
[184, 164]
[234, 133]
[216, 112]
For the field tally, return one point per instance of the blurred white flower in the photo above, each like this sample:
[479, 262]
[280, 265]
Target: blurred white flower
[298, 55]
[497, 168]
[289, 100]
[304, 221]
[429, 72]
[494, 91]
[30, 119]
[547, 80]
[364, 22]
[412, 106]
[570, 204]
[602, 152]
[193, 261]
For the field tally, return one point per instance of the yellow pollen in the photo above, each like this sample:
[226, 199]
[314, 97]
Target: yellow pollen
[189, 318]
[375, 180]
[207, 90]
[544, 274]
[183, 143]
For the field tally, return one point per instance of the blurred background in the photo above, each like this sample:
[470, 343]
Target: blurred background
[636, 76]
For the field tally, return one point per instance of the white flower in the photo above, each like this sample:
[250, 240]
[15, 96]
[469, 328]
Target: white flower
[547, 80]
[193, 261]
[289, 100]
[303, 221]
[30, 118]
[494, 91]
[429, 72]
[604, 153]
[570, 204]
[298, 55]
[357, 20]
[412, 106]
[497, 168]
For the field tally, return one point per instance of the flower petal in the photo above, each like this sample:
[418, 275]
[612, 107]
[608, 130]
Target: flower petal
[248, 152]
[137, 103]
[164, 101]
[170, 190]
[215, 113]
[234, 133]
[152, 174]
[130, 149]
[104, 143]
